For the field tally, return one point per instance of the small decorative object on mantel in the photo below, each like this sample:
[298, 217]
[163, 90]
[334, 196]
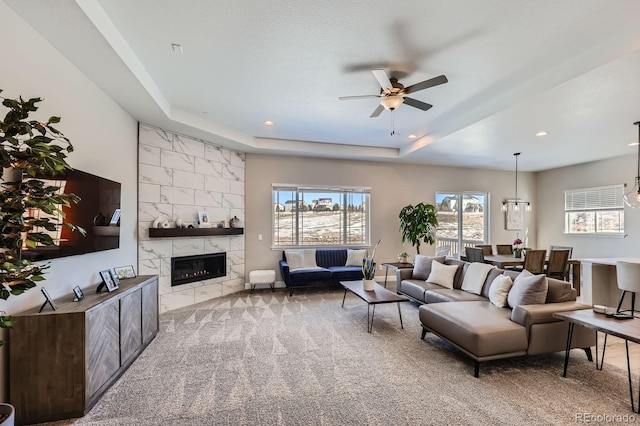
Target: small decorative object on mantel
[99, 219]
[234, 222]
[203, 220]
[179, 223]
[165, 224]
[517, 247]
[156, 223]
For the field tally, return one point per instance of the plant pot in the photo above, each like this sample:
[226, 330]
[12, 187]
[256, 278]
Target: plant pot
[368, 285]
[517, 253]
[7, 415]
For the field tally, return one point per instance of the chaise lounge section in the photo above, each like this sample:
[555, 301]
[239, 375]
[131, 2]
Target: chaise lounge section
[479, 319]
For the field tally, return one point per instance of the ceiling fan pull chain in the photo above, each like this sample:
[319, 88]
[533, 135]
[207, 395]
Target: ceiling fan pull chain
[393, 125]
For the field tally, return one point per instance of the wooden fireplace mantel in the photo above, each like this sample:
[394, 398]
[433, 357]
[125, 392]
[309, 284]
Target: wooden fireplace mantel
[193, 232]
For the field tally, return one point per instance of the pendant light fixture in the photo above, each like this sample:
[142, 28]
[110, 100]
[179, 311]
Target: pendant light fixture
[632, 198]
[516, 203]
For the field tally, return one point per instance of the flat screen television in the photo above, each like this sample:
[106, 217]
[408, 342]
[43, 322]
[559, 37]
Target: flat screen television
[99, 199]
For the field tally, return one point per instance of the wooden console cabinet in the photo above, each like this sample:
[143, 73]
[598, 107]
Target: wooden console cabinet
[62, 361]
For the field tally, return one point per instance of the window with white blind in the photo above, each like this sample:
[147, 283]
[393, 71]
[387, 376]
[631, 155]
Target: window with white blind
[320, 216]
[597, 210]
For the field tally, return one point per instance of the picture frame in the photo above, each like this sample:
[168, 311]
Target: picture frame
[513, 219]
[203, 220]
[114, 276]
[124, 272]
[107, 281]
[79, 295]
[47, 300]
[115, 219]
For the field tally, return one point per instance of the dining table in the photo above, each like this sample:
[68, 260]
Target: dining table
[508, 260]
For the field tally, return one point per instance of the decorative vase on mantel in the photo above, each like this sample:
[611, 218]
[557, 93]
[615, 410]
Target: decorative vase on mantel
[367, 285]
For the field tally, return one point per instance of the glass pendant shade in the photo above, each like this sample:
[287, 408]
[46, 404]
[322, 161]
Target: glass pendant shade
[632, 198]
[392, 102]
[516, 203]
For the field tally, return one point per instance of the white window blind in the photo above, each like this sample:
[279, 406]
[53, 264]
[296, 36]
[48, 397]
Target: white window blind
[598, 210]
[598, 198]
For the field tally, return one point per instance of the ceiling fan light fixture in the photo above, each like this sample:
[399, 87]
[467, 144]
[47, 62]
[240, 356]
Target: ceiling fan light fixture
[632, 198]
[392, 102]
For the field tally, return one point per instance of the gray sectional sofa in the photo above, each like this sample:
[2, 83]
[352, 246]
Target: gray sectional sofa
[485, 331]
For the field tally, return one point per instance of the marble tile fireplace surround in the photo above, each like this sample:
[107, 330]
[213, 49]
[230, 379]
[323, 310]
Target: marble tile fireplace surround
[178, 177]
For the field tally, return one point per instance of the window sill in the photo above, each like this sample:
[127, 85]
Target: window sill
[599, 235]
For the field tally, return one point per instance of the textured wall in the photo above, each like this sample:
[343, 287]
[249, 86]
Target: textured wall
[178, 177]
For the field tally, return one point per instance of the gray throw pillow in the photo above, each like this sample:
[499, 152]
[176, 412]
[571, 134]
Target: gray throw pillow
[422, 266]
[528, 289]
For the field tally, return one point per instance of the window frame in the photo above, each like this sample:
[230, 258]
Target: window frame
[613, 202]
[344, 192]
[460, 244]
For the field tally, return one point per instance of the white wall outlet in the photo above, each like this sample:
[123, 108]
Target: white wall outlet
[259, 237]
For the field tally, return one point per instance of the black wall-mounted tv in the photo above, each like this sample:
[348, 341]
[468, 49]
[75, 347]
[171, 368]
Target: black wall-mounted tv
[99, 199]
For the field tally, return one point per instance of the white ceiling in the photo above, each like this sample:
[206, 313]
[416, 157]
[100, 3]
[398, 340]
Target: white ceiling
[515, 67]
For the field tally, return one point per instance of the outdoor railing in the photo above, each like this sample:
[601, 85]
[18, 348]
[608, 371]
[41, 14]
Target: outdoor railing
[452, 244]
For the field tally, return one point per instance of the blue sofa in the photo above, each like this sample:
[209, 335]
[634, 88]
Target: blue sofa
[330, 271]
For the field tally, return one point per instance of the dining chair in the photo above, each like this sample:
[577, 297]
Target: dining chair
[570, 254]
[557, 265]
[534, 261]
[486, 249]
[504, 248]
[474, 254]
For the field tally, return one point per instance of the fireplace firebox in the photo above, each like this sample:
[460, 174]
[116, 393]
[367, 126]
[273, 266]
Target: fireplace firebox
[188, 269]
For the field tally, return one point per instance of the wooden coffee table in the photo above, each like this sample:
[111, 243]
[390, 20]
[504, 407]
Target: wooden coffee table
[375, 297]
[627, 329]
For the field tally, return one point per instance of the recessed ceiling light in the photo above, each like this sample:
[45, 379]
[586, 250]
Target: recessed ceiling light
[412, 136]
[268, 123]
[542, 133]
[177, 48]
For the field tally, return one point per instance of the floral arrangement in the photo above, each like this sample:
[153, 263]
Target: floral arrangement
[517, 242]
[368, 264]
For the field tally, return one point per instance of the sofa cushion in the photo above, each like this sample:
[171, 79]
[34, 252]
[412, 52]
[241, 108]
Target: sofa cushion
[559, 291]
[475, 276]
[439, 295]
[344, 273]
[422, 266]
[499, 291]
[442, 274]
[493, 274]
[355, 257]
[480, 328]
[416, 288]
[461, 264]
[528, 289]
[295, 259]
[331, 257]
[313, 274]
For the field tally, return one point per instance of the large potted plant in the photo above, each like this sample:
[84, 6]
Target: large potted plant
[418, 223]
[28, 148]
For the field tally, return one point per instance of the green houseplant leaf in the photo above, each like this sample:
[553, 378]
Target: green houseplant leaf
[30, 148]
[418, 224]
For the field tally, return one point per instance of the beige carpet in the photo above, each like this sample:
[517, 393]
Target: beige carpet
[270, 359]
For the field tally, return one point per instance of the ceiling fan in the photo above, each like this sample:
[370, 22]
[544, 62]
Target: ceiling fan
[393, 94]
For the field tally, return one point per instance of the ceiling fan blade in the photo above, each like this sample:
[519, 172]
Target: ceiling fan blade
[342, 98]
[426, 84]
[417, 104]
[377, 111]
[383, 78]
